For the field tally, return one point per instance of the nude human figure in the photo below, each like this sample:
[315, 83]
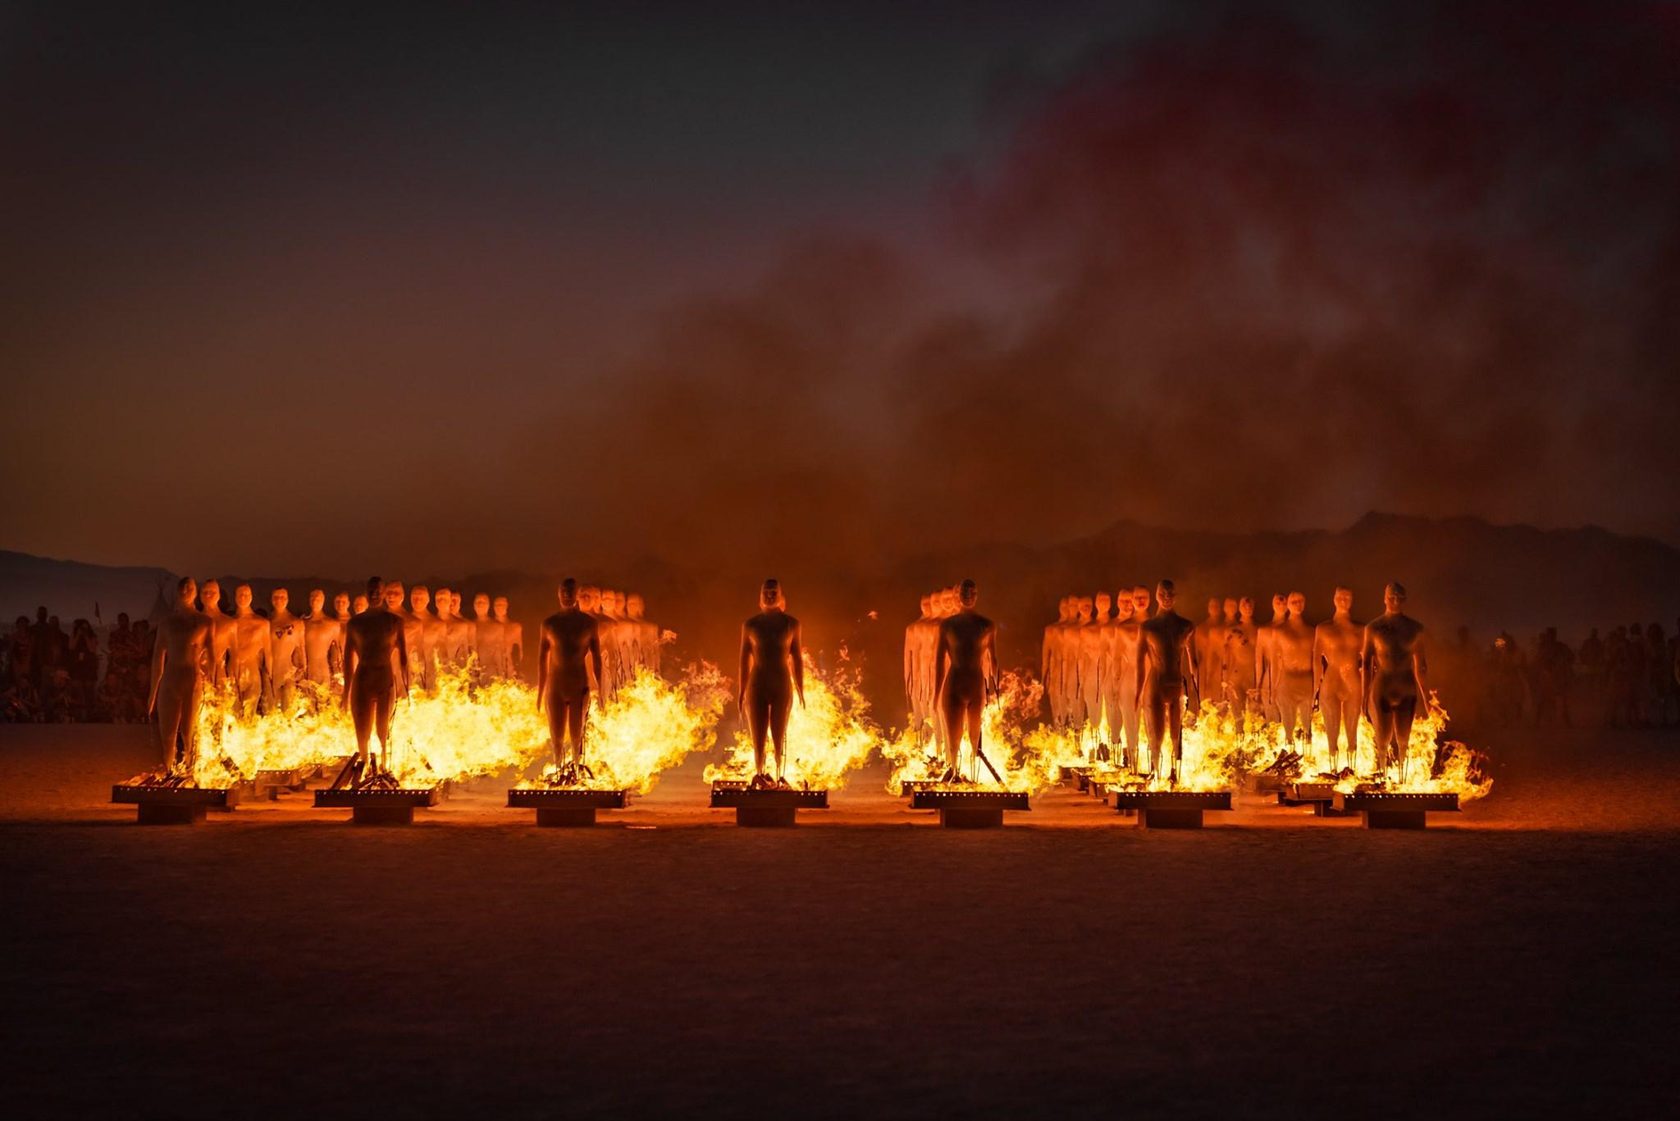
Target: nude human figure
[417, 622]
[1266, 673]
[320, 633]
[463, 635]
[1127, 634]
[617, 638]
[1210, 642]
[1094, 662]
[1292, 658]
[569, 647]
[375, 660]
[1393, 673]
[341, 612]
[358, 606]
[965, 672]
[436, 633]
[772, 672]
[513, 636]
[945, 605]
[1166, 678]
[250, 652]
[647, 632]
[224, 633]
[914, 695]
[180, 663]
[1082, 669]
[1051, 655]
[1239, 668]
[286, 660]
[487, 638]
[1336, 644]
[589, 602]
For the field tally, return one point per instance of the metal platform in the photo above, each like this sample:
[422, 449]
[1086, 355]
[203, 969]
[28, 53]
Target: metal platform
[1170, 809]
[908, 787]
[1319, 796]
[380, 806]
[174, 805]
[970, 809]
[272, 783]
[765, 808]
[567, 807]
[1395, 810]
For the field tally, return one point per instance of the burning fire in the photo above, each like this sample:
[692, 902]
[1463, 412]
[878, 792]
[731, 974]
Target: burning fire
[829, 736]
[466, 729]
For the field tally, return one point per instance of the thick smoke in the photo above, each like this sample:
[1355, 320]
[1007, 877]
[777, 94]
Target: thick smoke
[1264, 271]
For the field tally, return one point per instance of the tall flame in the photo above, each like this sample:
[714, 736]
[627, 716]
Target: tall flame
[828, 736]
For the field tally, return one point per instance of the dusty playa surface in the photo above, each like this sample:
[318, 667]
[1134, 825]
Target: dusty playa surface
[1514, 960]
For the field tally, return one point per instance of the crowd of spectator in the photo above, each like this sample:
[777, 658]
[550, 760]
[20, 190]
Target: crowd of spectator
[50, 676]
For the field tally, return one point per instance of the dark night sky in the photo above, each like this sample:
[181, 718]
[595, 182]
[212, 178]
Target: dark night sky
[311, 291]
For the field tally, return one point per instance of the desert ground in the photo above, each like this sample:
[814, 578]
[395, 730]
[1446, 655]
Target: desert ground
[1514, 960]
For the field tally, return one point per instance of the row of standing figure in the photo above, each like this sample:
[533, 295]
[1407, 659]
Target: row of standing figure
[1097, 669]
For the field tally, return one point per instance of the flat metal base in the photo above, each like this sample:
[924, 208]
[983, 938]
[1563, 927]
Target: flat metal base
[273, 783]
[567, 808]
[1395, 810]
[988, 800]
[174, 805]
[1170, 809]
[379, 807]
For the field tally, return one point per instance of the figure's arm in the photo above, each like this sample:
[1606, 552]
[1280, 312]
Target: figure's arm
[1189, 660]
[516, 648]
[990, 662]
[1420, 667]
[1142, 660]
[352, 657]
[595, 655]
[741, 677]
[1318, 662]
[158, 659]
[796, 650]
[1365, 674]
[909, 668]
[402, 656]
[542, 667]
[940, 657]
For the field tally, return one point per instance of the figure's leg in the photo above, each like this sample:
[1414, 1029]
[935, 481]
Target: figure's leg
[1154, 728]
[170, 710]
[974, 713]
[1175, 725]
[361, 714]
[1382, 720]
[1129, 719]
[554, 707]
[577, 718]
[1405, 709]
[780, 709]
[951, 719]
[382, 703]
[758, 726]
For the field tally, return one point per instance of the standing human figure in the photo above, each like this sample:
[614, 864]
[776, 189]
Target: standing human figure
[251, 667]
[286, 656]
[180, 663]
[513, 636]
[1238, 671]
[417, 627]
[1393, 678]
[1336, 643]
[1166, 677]
[375, 659]
[916, 697]
[1292, 661]
[772, 672]
[223, 633]
[1120, 679]
[321, 634]
[569, 647]
[965, 671]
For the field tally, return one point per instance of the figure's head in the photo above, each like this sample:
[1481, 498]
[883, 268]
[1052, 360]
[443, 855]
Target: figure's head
[1140, 600]
[359, 605]
[568, 593]
[589, 598]
[41, 614]
[186, 590]
[317, 600]
[419, 598]
[1394, 595]
[499, 607]
[1123, 609]
[279, 599]
[122, 620]
[968, 593]
[634, 605]
[1245, 608]
[1105, 606]
[1280, 605]
[1213, 608]
[393, 596]
[375, 590]
[440, 602]
[341, 604]
[454, 602]
[611, 602]
[210, 594]
[770, 596]
[1166, 595]
[1085, 607]
[927, 606]
[242, 596]
[1298, 605]
[1229, 608]
[481, 605]
[1344, 598]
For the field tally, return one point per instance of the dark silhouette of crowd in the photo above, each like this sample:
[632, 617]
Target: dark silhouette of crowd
[1627, 678]
[53, 677]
